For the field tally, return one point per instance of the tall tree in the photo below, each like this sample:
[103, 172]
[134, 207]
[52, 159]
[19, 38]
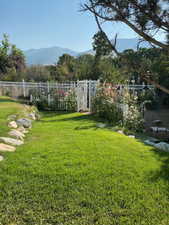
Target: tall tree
[12, 60]
[4, 59]
[142, 16]
[66, 68]
[145, 17]
[17, 59]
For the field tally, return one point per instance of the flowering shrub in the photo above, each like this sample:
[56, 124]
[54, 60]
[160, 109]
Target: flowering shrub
[71, 100]
[55, 100]
[133, 117]
[118, 107]
[104, 105]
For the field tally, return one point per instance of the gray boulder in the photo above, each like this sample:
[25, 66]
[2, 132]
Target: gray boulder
[24, 122]
[101, 125]
[162, 146]
[149, 142]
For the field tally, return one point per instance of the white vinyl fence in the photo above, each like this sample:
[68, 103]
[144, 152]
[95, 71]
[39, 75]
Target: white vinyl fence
[67, 94]
[82, 91]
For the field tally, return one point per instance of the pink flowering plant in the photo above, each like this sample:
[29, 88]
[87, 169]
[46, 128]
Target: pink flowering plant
[104, 104]
[56, 99]
[119, 107]
[133, 117]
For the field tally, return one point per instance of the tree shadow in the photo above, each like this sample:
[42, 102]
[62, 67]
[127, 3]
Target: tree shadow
[86, 127]
[83, 118]
[160, 156]
[6, 100]
[72, 117]
[163, 172]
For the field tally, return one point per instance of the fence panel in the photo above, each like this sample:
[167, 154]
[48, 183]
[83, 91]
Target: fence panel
[61, 96]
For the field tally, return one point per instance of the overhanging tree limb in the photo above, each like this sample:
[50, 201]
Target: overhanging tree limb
[114, 6]
[122, 18]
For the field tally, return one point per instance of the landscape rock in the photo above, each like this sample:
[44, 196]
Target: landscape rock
[13, 124]
[162, 146]
[11, 141]
[101, 125]
[37, 116]
[1, 158]
[22, 130]
[120, 132]
[152, 139]
[32, 116]
[6, 148]
[26, 123]
[12, 117]
[157, 122]
[148, 142]
[17, 134]
[131, 136]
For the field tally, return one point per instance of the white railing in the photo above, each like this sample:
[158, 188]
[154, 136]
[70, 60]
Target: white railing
[85, 90]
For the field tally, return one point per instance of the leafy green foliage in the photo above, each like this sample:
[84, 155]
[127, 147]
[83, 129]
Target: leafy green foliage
[55, 100]
[101, 45]
[106, 107]
[12, 61]
[119, 107]
[133, 116]
[145, 18]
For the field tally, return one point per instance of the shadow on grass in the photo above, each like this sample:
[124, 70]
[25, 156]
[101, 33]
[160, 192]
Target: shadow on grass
[161, 156]
[163, 172]
[6, 100]
[72, 117]
[86, 127]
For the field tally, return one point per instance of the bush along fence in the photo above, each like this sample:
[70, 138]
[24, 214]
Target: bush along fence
[86, 95]
[122, 106]
[68, 96]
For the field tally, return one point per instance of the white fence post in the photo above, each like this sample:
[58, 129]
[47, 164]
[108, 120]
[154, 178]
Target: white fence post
[31, 98]
[48, 89]
[85, 91]
[24, 92]
[77, 96]
[90, 97]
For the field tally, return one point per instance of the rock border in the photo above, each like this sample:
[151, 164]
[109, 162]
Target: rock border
[19, 125]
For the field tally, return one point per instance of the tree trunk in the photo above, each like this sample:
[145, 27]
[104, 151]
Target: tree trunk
[157, 85]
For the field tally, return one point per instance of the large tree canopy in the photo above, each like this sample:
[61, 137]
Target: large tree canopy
[145, 17]
[12, 60]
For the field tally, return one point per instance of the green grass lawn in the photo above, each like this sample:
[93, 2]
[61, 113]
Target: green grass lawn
[70, 172]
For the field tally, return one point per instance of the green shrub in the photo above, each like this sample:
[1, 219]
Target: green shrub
[106, 108]
[119, 108]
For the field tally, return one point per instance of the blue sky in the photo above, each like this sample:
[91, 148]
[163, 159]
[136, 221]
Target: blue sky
[47, 23]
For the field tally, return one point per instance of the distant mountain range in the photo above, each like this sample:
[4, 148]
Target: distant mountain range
[46, 56]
